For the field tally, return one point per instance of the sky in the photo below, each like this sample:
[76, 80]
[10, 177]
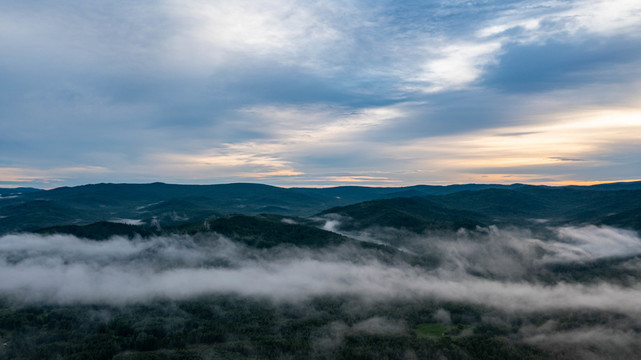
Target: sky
[320, 93]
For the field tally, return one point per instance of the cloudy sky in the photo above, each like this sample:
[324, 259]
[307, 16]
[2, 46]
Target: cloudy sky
[316, 93]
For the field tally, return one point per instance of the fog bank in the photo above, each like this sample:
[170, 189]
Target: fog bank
[62, 269]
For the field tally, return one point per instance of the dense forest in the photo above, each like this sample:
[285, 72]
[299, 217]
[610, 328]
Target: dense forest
[514, 272]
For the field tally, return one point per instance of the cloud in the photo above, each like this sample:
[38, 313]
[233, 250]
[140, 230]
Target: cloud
[128, 221]
[539, 21]
[565, 159]
[594, 135]
[443, 316]
[598, 342]
[457, 66]
[602, 241]
[217, 31]
[45, 176]
[294, 92]
[63, 269]
[556, 64]
[58, 283]
[603, 17]
[510, 253]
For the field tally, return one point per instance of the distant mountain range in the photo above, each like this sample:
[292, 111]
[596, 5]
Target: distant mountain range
[415, 208]
[236, 271]
[10, 192]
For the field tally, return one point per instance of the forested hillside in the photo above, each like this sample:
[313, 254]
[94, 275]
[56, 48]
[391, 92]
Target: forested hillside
[170, 272]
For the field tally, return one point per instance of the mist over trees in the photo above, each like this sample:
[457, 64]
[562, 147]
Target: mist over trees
[455, 276]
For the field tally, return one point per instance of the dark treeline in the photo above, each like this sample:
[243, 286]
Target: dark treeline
[230, 327]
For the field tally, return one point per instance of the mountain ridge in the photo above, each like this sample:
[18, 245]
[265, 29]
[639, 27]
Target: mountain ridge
[172, 204]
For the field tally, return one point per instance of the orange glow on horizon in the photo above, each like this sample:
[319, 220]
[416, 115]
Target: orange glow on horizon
[591, 182]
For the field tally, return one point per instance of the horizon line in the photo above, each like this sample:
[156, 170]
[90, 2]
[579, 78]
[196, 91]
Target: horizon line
[585, 183]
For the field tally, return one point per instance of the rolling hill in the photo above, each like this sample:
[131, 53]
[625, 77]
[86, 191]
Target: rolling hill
[415, 214]
[168, 205]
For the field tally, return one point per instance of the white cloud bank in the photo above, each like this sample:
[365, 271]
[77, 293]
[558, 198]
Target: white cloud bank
[67, 270]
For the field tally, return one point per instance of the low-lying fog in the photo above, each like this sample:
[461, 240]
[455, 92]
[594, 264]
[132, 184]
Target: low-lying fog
[493, 267]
